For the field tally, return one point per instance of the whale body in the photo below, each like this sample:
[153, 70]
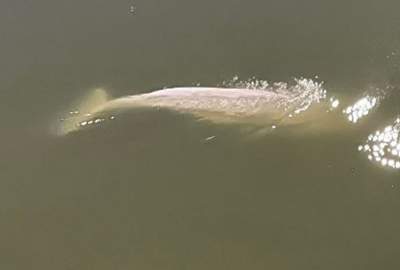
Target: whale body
[304, 107]
[214, 104]
[264, 108]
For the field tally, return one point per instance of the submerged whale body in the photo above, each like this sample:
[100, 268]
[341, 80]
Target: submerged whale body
[278, 105]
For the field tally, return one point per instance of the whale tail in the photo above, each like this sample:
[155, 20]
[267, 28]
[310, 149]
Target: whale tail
[82, 111]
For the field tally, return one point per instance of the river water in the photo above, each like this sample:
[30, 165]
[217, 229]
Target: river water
[158, 190]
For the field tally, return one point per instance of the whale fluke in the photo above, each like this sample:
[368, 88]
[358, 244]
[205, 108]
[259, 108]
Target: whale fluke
[83, 110]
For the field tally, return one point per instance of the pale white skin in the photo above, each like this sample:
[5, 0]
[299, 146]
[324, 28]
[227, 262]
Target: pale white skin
[222, 105]
[260, 108]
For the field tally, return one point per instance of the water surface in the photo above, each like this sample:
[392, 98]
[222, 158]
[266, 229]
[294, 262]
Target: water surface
[147, 191]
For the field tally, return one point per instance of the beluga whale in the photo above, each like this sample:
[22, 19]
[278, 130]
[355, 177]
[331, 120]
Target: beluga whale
[303, 103]
[301, 107]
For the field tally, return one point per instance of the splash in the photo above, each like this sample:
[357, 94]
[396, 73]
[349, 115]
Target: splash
[301, 93]
[251, 83]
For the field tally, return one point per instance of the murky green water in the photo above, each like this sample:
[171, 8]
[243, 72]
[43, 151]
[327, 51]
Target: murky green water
[146, 191]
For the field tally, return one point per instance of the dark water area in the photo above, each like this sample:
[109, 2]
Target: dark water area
[148, 191]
